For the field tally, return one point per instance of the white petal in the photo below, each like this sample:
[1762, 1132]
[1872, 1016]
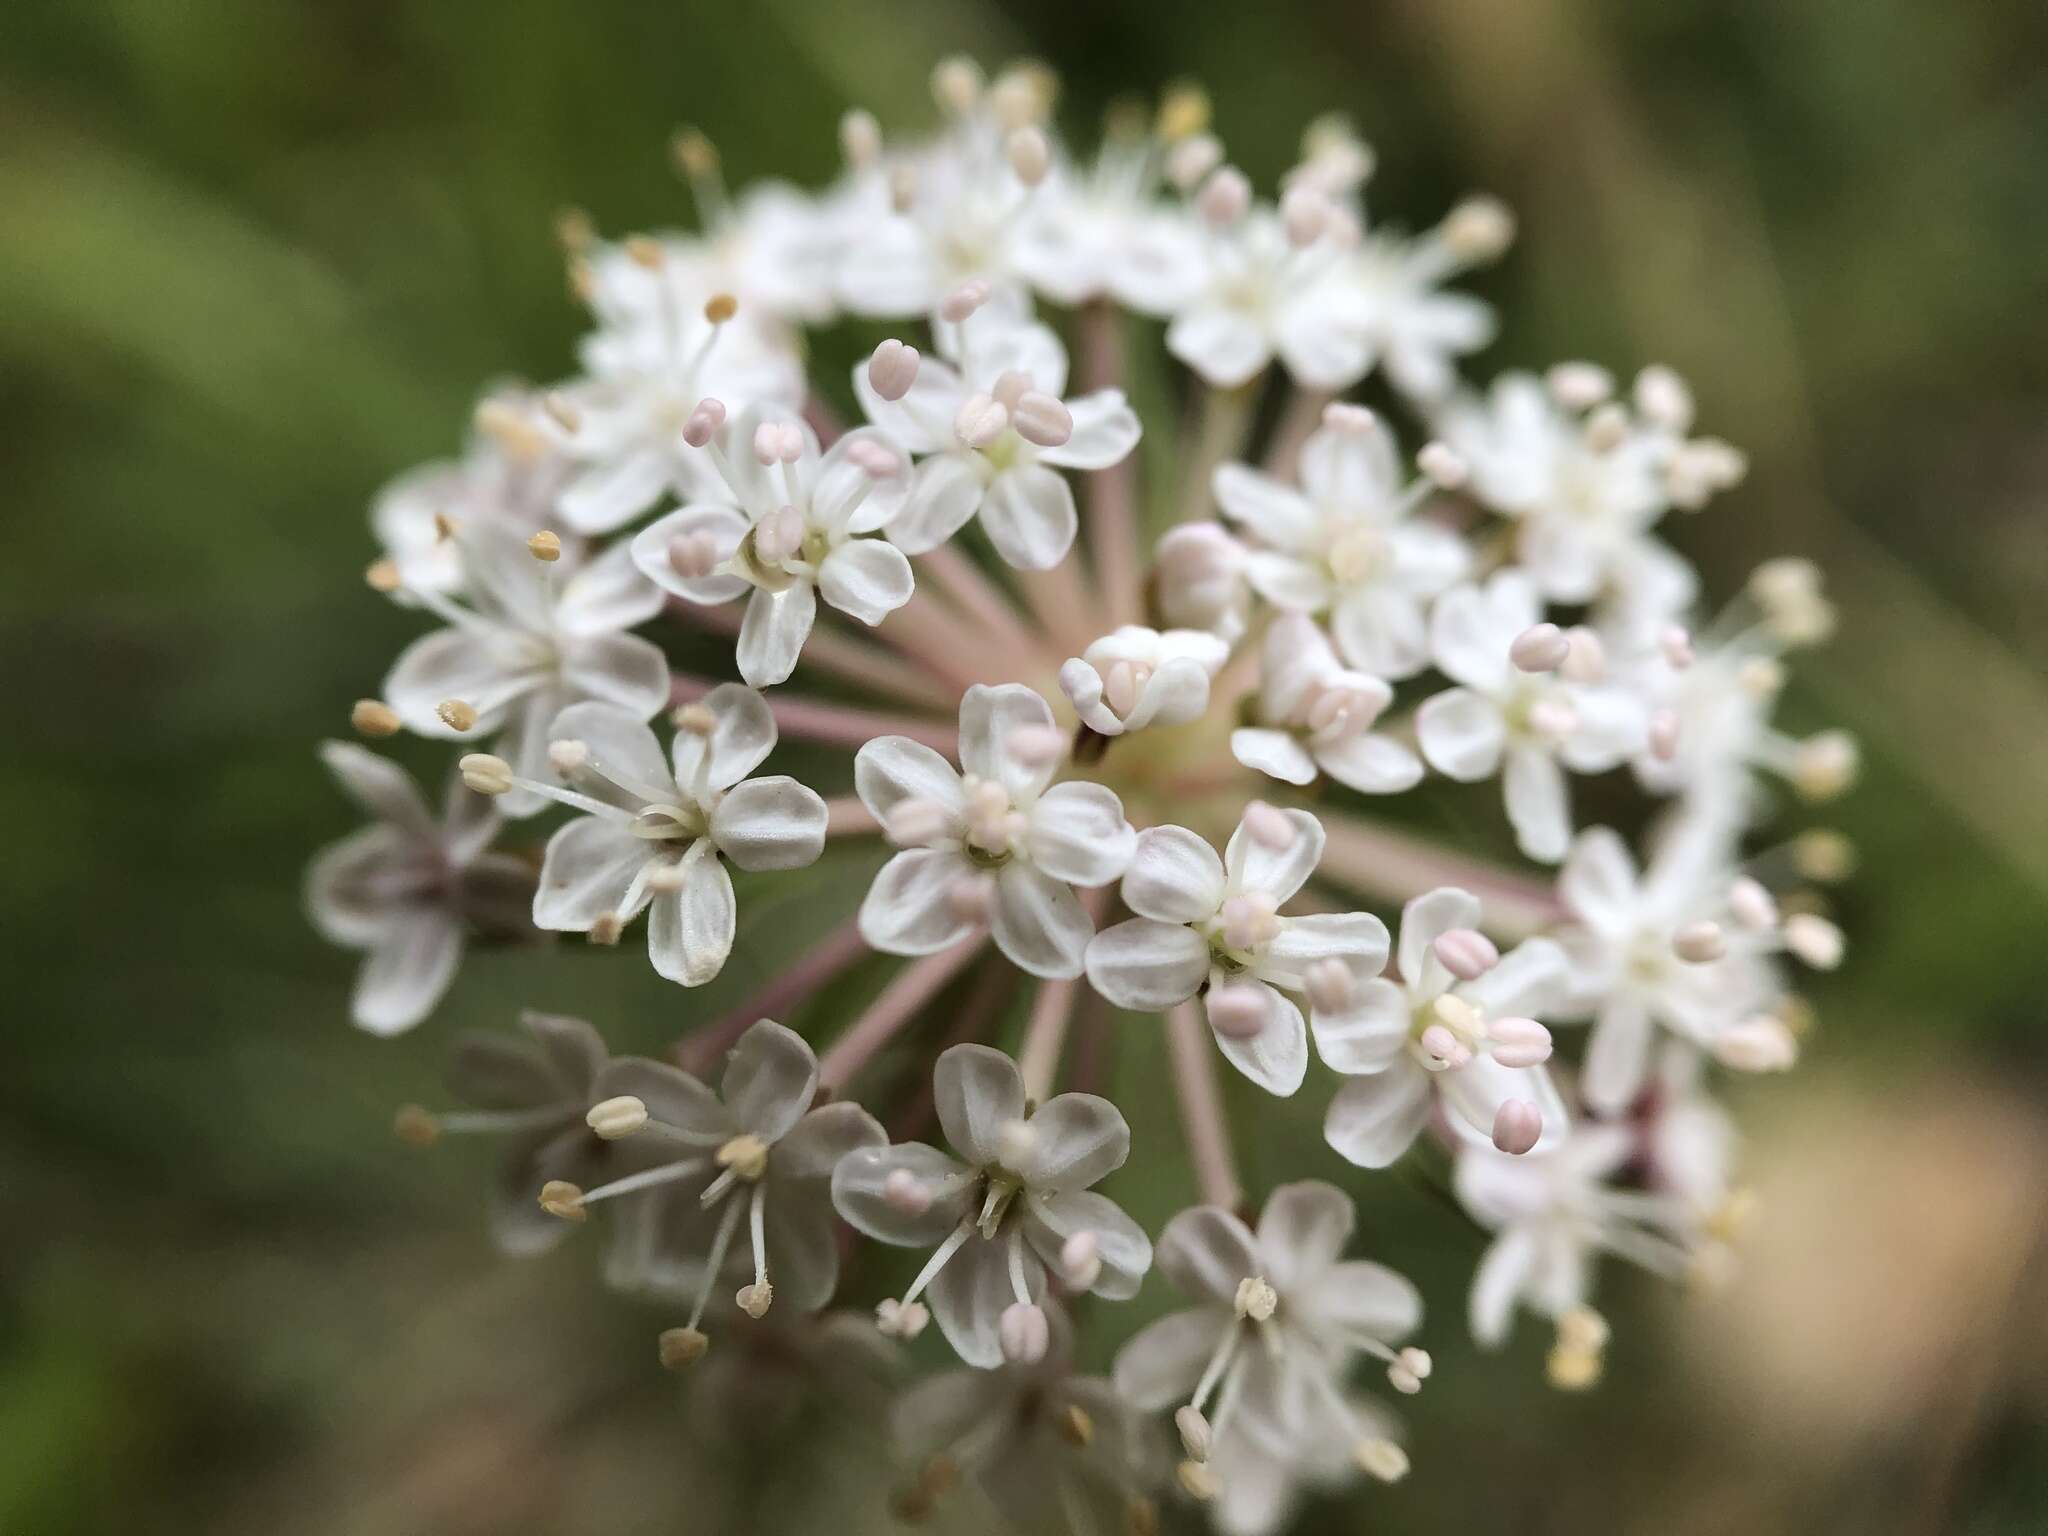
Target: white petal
[618, 669]
[1160, 1365]
[407, 971]
[1288, 581]
[1276, 1058]
[611, 493]
[1367, 1298]
[382, 788]
[1617, 1056]
[976, 1091]
[1373, 1120]
[922, 419]
[742, 734]
[1301, 1230]
[1473, 1094]
[1382, 632]
[989, 717]
[972, 1292]
[457, 664]
[1371, 764]
[1106, 429]
[1080, 1139]
[773, 633]
[1221, 345]
[1039, 922]
[1174, 876]
[1538, 804]
[846, 499]
[1353, 472]
[1175, 694]
[1461, 733]
[621, 750]
[1530, 980]
[1275, 872]
[1275, 512]
[1366, 1037]
[1079, 835]
[909, 909]
[1502, 1273]
[607, 594]
[823, 1136]
[1468, 641]
[1278, 754]
[891, 769]
[860, 1193]
[350, 893]
[689, 932]
[769, 1079]
[945, 491]
[771, 823]
[868, 578]
[1147, 966]
[584, 875]
[1082, 685]
[1029, 517]
[1423, 921]
[1357, 940]
[1205, 1252]
[1121, 1244]
[650, 547]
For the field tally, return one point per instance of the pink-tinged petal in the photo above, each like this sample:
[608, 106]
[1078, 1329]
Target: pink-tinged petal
[1276, 1057]
[1254, 865]
[1368, 1036]
[1147, 966]
[726, 527]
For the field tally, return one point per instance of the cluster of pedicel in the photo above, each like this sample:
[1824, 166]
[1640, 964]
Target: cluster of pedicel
[1064, 674]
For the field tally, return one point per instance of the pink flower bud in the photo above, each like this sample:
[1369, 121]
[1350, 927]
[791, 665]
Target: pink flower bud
[1442, 467]
[1699, 943]
[1664, 735]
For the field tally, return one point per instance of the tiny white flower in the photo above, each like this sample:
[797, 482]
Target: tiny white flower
[1204, 921]
[1538, 723]
[998, 843]
[1135, 677]
[1430, 1039]
[655, 835]
[1257, 1366]
[998, 1214]
[1417, 329]
[533, 638]
[1316, 716]
[788, 532]
[1344, 543]
[987, 418]
[1102, 233]
[407, 888]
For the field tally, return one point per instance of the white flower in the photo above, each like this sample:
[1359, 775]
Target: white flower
[1418, 331]
[1135, 677]
[655, 840]
[1102, 233]
[1472, 1047]
[755, 1152]
[1344, 543]
[998, 844]
[1554, 1214]
[408, 886]
[1538, 722]
[987, 417]
[1257, 1365]
[1583, 505]
[1661, 950]
[1204, 920]
[665, 341]
[1317, 716]
[1198, 569]
[534, 638]
[999, 1214]
[1263, 297]
[795, 528]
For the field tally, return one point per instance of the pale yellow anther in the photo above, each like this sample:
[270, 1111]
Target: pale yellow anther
[720, 307]
[582, 280]
[1183, 112]
[560, 1198]
[444, 526]
[607, 929]
[941, 1475]
[1582, 1328]
[383, 576]
[680, 1348]
[373, 717]
[415, 1126]
[695, 154]
[1573, 1370]
[1196, 1480]
[746, 1155]
[573, 230]
[562, 411]
[755, 1300]
[695, 718]
[1457, 1015]
[1731, 1218]
[1256, 1299]
[485, 774]
[1823, 856]
[1381, 1459]
[616, 1119]
[545, 546]
[1076, 1427]
[1141, 1516]
[644, 251]
[457, 714]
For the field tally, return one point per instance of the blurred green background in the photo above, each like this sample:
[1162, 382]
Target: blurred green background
[255, 257]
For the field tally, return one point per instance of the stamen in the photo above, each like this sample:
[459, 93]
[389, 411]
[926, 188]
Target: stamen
[893, 369]
[1442, 467]
[617, 1118]
[1518, 1042]
[647, 1178]
[755, 1299]
[415, 1126]
[485, 773]
[1236, 1010]
[1023, 1333]
[679, 1348]
[1699, 943]
[545, 547]
[1466, 953]
[940, 1256]
[721, 1240]
[456, 714]
[1540, 648]
[561, 1199]
[1195, 1437]
[1256, 1299]
[373, 717]
[901, 1319]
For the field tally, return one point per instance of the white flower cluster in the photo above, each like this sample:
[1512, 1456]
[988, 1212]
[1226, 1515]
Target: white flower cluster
[1316, 624]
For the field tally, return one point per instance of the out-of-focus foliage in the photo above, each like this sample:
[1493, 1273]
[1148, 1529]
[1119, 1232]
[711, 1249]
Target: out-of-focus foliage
[255, 257]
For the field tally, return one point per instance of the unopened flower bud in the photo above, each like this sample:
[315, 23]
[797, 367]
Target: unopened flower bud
[1081, 1261]
[563, 1200]
[373, 717]
[1814, 940]
[1540, 648]
[1466, 953]
[1662, 399]
[1479, 229]
[616, 1119]
[457, 714]
[1225, 197]
[1700, 943]
[964, 300]
[1194, 1431]
[1023, 1332]
[1237, 1011]
[1518, 1042]
[485, 774]
[1443, 466]
[893, 369]
[1192, 159]
[1517, 1126]
[704, 422]
[1042, 419]
[755, 1299]
[680, 1348]
[1030, 156]
[1304, 214]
